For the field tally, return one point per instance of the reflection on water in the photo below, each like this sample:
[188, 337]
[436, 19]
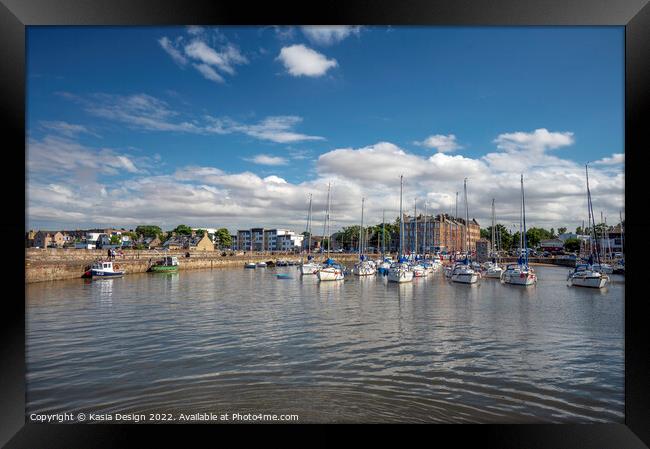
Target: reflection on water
[358, 350]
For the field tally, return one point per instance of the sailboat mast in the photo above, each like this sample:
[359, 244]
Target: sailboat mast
[383, 233]
[401, 218]
[361, 230]
[415, 217]
[466, 242]
[456, 226]
[327, 220]
[493, 231]
[523, 212]
[591, 213]
[424, 243]
[309, 226]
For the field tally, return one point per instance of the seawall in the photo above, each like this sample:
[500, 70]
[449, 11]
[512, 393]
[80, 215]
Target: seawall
[58, 264]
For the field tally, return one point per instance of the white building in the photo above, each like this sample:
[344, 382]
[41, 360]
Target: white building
[282, 240]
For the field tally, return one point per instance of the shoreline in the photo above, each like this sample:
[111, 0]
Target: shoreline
[42, 265]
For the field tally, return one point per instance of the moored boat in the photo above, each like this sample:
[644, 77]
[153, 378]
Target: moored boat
[584, 275]
[587, 275]
[521, 273]
[168, 264]
[104, 269]
[463, 273]
[400, 271]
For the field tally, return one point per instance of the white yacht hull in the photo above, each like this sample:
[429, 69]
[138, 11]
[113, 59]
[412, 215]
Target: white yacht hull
[330, 274]
[465, 278]
[519, 279]
[400, 275]
[309, 269]
[493, 273]
[588, 281]
[364, 270]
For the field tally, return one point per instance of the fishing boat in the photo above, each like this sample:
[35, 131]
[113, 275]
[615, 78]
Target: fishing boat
[363, 267]
[521, 273]
[462, 272]
[586, 275]
[261, 265]
[330, 270]
[168, 264]
[104, 269]
[400, 271]
[249, 265]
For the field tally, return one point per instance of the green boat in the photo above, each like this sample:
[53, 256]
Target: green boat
[168, 264]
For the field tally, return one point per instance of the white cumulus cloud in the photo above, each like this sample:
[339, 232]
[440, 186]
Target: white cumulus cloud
[304, 61]
[265, 159]
[442, 143]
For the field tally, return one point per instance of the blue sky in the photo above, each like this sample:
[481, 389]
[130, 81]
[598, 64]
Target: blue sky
[234, 126]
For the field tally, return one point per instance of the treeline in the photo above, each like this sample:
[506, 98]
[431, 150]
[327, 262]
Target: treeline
[222, 237]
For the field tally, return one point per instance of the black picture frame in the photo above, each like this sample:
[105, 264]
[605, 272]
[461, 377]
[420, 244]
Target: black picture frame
[15, 15]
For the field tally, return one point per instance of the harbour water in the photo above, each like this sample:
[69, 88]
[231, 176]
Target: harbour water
[360, 350]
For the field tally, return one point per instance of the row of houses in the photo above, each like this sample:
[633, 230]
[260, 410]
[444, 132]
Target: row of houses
[86, 239]
[262, 240]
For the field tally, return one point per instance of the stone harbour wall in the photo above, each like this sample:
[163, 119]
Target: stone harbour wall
[58, 264]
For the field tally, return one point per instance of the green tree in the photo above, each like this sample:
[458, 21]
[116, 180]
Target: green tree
[131, 235]
[561, 231]
[572, 245]
[535, 235]
[486, 233]
[116, 239]
[348, 237]
[579, 230]
[223, 238]
[182, 230]
[148, 230]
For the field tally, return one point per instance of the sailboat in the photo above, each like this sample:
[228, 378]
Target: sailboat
[492, 268]
[330, 270]
[384, 265]
[585, 275]
[520, 273]
[400, 271]
[603, 266]
[364, 267]
[309, 267]
[463, 271]
[419, 270]
[454, 250]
